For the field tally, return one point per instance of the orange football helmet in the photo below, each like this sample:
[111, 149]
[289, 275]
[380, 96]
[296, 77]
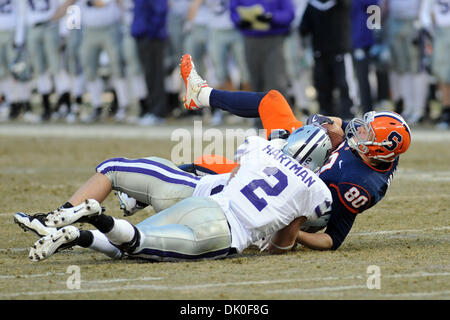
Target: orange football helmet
[379, 135]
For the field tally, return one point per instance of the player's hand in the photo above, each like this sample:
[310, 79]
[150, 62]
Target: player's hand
[278, 134]
[244, 24]
[265, 17]
[319, 119]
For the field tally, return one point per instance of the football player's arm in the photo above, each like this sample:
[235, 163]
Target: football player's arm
[192, 12]
[62, 9]
[284, 239]
[284, 15]
[339, 226]
[316, 241]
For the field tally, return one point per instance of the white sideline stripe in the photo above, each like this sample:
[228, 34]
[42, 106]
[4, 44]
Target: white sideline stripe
[416, 294]
[392, 276]
[160, 132]
[373, 233]
[14, 250]
[216, 285]
[122, 280]
[326, 289]
[38, 275]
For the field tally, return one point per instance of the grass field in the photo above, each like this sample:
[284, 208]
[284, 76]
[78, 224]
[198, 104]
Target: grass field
[406, 235]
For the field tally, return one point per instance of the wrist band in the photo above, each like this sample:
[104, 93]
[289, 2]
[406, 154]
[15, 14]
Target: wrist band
[282, 248]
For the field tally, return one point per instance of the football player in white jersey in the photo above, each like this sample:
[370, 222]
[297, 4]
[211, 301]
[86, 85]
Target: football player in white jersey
[133, 67]
[269, 195]
[11, 41]
[439, 13]
[224, 41]
[100, 21]
[43, 45]
[406, 66]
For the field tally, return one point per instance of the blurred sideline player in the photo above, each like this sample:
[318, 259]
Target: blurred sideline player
[225, 41]
[133, 68]
[359, 171]
[220, 214]
[406, 66]
[101, 31]
[12, 33]
[72, 38]
[435, 18]
[42, 43]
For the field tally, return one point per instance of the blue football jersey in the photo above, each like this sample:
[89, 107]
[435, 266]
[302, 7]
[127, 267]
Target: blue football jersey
[355, 186]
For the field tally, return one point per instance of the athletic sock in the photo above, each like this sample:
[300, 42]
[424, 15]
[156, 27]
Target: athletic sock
[100, 242]
[67, 205]
[122, 232]
[102, 222]
[85, 239]
[203, 96]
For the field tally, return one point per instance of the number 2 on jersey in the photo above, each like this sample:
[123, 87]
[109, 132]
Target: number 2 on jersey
[249, 190]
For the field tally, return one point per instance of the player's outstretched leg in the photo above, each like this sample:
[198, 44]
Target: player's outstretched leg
[97, 187]
[197, 90]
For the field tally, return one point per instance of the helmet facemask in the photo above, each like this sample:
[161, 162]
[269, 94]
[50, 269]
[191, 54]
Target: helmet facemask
[361, 137]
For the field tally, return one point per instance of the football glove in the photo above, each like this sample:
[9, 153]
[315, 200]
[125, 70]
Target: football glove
[278, 134]
[318, 119]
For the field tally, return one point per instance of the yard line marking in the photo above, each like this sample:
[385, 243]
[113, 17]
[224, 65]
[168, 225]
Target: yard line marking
[216, 285]
[359, 234]
[39, 275]
[320, 289]
[381, 232]
[416, 294]
[14, 250]
[6, 215]
[122, 280]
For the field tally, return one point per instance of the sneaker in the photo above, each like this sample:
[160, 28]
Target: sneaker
[129, 205]
[34, 223]
[150, 120]
[121, 115]
[31, 117]
[64, 216]
[94, 116]
[217, 118]
[72, 117]
[4, 112]
[192, 81]
[444, 120]
[47, 246]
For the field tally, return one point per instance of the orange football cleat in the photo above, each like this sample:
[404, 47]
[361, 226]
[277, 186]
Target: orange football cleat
[192, 82]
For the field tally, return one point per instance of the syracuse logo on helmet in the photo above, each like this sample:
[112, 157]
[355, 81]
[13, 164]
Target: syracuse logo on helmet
[379, 135]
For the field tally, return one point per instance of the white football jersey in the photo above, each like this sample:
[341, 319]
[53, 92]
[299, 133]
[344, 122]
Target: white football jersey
[99, 16]
[211, 184]
[219, 17]
[441, 11]
[8, 15]
[404, 9]
[202, 16]
[127, 11]
[268, 192]
[179, 7]
[40, 11]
